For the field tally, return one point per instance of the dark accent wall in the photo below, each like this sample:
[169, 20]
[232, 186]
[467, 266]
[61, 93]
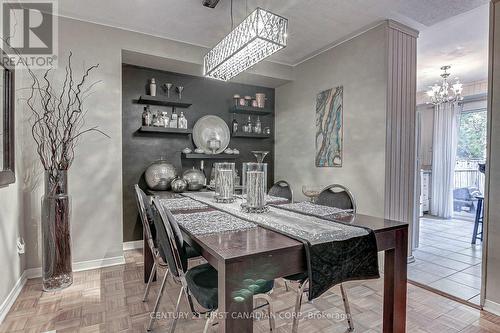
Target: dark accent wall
[208, 97]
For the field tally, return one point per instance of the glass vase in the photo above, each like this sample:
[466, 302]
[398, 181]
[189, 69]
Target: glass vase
[224, 182]
[254, 186]
[57, 272]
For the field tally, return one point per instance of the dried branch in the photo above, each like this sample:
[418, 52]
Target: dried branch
[58, 119]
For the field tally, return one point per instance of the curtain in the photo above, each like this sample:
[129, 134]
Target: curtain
[444, 152]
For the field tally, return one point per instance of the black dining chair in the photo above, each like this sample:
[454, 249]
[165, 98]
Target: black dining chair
[337, 196]
[200, 282]
[146, 216]
[281, 189]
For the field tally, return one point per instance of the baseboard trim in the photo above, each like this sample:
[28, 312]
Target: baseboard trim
[32, 273]
[12, 296]
[133, 245]
[492, 307]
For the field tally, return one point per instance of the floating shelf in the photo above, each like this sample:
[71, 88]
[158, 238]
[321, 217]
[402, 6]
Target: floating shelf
[250, 135]
[156, 100]
[250, 110]
[166, 130]
[210, 156]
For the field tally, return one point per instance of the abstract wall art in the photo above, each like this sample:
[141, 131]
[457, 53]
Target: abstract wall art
[329, 128]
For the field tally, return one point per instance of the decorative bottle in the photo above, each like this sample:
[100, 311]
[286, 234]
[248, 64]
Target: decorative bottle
[258, 126]
[173, 119]
[235, 126]
[166, 119]
[249, 124]
[147, 117]
[182, 121]
[152, 87]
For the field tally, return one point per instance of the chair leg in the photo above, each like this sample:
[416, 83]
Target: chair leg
[267, 298]
[151, 274]
[210, 321]
[157, 303]
[176, 312]
[347, 308]
[298, 302]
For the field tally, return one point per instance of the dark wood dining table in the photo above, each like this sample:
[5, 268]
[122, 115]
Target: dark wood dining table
[234, 253]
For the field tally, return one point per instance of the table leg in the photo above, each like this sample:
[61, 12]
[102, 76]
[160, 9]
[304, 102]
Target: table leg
[395, 284]
[148, 258]
[235, 307]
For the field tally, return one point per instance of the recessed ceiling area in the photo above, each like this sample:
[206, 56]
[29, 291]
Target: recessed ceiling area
[313, 24]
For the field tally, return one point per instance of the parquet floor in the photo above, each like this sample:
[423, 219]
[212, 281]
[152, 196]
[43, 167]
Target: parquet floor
[109, 300]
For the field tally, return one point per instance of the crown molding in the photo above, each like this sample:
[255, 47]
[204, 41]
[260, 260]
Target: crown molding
[403, 28]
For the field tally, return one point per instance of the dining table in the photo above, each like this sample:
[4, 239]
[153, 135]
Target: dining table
[234, 253]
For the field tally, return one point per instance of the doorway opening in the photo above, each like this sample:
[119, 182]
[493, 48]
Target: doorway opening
[451, 155]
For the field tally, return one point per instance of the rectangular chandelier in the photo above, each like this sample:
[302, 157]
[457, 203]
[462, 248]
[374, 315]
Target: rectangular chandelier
[261, 34]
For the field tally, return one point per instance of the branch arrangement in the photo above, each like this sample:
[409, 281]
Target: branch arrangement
[58, 119]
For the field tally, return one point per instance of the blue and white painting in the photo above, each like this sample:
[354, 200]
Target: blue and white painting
[329, 128]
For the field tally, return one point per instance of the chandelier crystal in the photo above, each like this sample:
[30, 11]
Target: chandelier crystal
[261, 34]
[445, 93]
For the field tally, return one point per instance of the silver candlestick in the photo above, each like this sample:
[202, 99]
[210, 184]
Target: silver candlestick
[168, 86]
[179, 90]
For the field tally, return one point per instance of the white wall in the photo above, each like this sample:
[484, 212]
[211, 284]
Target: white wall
[11, 220]
[360, 66]
[492, 208]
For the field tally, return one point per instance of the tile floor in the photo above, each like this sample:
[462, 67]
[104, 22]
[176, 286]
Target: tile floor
[109, 300]
[446, 260]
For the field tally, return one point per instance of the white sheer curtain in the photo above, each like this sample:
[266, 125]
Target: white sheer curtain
[444, 152]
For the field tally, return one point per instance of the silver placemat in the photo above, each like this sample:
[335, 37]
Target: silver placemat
[313, 209]
[212, 222]
[182, 203]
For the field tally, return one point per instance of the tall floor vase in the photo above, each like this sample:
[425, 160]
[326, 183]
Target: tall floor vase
[57, 272]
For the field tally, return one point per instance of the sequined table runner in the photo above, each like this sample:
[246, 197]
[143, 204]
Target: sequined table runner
[182, 203]
[335, 252]
[202, 223]
[310, 208]
[314, 229]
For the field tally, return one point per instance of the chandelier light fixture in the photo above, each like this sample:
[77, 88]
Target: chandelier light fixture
[261, 34]
[444, 92]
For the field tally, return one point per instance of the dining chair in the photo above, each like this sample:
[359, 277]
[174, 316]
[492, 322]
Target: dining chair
[337, 196]
[145, 214]
[200, 282]
[281, 189]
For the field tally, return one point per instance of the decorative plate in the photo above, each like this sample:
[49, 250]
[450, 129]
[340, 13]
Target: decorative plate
[211, 127]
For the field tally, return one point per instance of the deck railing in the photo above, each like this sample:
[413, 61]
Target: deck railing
[467, 174]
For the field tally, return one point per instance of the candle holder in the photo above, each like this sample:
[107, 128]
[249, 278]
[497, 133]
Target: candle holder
[254, 187]
[224, 182]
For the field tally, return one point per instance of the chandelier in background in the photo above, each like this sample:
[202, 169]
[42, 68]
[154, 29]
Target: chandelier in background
[444, 92]
[261, 34]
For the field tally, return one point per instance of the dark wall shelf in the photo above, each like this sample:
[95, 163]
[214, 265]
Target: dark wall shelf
[250, 135]
[166, 130]
[156, 100]
[250, 110]
[210, 156]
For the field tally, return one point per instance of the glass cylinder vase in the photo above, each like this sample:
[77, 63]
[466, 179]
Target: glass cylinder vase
[254, 177]
[57, 272]
[224, 182]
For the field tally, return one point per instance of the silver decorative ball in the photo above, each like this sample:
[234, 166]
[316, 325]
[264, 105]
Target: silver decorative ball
[195, 179]
[159, 175]
[179, 185]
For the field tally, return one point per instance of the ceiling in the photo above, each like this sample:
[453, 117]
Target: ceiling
[314, 25]
[460, 41]
[452, 32]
